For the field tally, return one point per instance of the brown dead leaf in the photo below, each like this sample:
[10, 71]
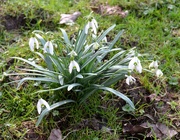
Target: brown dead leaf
[69, 18]
[153, 97]
[109, 10]
[129, 128]
[165, 130]
[55, 135]
[160, 130]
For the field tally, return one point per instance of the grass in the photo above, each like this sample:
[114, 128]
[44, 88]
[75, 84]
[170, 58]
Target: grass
[152, 26]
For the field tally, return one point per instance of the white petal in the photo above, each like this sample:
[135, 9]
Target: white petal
[159, 73]
[127, 81]
[94, 28]
[96, 46]
[77, 66]
[87, 28]
[72, 53]
[139, 68]
[45, 46]
[51, 49]
[95, 23]
[40, 103]
[131, 64]
[71, 67]
[70, 87]
[130, 79]
[154, 64]
[79, 76]
[61, 79]
[37, 44]
[31, 43]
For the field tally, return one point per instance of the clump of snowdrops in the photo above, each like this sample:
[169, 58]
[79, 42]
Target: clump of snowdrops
[81, 65]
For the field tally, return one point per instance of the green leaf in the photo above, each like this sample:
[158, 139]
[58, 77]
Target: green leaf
[49, 62]
[52, 89]
[125, 98]
[87, 94]
[80, 41]
[29, 62]
[105, 33]
[46, 111]
[37, 79]
[41, 39]
[66, 39]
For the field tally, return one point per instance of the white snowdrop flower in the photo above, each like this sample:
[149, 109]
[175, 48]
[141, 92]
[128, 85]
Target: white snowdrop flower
[51, 48]
[32, 42]
[158, 72]
[104, 39]
[135, 64]
[96, 46]
[73, 64]
[40, 103]
[91, 24]
[130, 79]
[153, 64]
[61, 79]
[72, 53]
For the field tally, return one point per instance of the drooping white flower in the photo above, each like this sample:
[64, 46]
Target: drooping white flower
[72, 53]
[32, 42]
[104, 39]
[51, 48]
[40, 103]
[153, 64]
[61, 79]
[91, 24]
[96, 46]
[130, 79]
[135, 64]
[73, 64]
[158, 72]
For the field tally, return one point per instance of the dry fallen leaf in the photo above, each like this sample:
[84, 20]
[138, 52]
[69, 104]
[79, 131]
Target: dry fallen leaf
[55, 135]
[109, 10]
[165, 130]
[129, 128]
[69, 18]
[161, 131]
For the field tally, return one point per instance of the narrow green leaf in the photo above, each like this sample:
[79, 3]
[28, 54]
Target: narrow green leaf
[66, 39]
[46, 111]
[125, 98]
[105, 33]
[52, 89]
[37, 79]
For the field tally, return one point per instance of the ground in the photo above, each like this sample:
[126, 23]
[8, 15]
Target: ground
[153, 27]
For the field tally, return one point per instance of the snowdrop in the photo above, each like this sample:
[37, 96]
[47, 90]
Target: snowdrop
[135, 64]
[158, 72]
[92, 24]
[72, 53]
[153, 64]
[32, 42]
[40, 103]
[130, 79]
[73, 64]
[155, 69]
[51, 48]
[96, 46]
